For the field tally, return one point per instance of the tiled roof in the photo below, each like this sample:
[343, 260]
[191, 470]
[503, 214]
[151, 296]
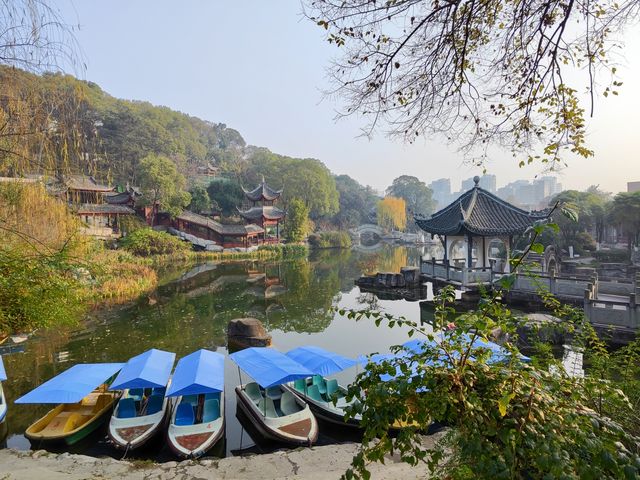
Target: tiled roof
[87, 183]
[479, 212]
[267, 212]
[117, 198]
[262, 192]
[238, 230]
[103, 209]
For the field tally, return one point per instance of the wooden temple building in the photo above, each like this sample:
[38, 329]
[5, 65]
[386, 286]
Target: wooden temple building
[477, 232]
[261, 211]
[228, 236]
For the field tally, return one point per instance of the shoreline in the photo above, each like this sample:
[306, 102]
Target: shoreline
[324, 462]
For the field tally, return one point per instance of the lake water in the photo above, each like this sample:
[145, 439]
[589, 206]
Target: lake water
[190, 310]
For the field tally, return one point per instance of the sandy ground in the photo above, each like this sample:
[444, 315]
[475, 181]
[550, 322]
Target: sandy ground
[326, 462]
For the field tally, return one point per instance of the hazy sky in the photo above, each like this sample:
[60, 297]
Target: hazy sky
[259, 67]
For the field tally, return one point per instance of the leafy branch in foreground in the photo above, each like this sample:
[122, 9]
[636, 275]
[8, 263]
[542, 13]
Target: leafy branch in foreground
[507, 417]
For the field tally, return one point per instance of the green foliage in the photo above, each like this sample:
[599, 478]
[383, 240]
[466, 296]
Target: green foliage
[285, 250]
[338, 239]
[200, 200]
[146, 242]
[227, 194]
[357, 203]
[163, 185]
[625, 210]
[612, 256]
[416, 194]
[297, 226]
[306, 179]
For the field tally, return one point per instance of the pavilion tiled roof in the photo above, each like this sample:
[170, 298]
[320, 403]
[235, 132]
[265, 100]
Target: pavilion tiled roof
[103, 209]
[86, 183]
[479, 212]
[265, 211]
[262, 192]
[221, 229]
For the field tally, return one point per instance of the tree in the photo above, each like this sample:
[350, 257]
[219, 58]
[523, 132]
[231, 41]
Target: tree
[625, 210]
[415, 193]
[227, 194]
[356, 202]
[200, 200]
[162, 185]
[297, 226]
[476, 72]
[391, 213]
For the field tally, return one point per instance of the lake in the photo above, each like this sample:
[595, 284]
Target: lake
[190, 310]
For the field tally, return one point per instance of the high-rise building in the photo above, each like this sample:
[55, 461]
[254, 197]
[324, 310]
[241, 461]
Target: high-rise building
[441, 189]
[488, 182]
[633, 187]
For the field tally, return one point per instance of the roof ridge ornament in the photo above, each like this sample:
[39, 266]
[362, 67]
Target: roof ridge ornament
[476, 181]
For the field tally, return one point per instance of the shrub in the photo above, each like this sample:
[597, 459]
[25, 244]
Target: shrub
[612, 256]
[334, 239]
[286, 250]
[146, 242]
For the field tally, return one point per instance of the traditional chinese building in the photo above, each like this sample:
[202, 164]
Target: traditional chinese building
[261, 210]
[228, 236]
[476, 232]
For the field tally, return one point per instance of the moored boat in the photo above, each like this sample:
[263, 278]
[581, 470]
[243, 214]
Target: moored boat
[320, 392]
[197, 419]
[84, 403]
[142, 412]
[275, 411]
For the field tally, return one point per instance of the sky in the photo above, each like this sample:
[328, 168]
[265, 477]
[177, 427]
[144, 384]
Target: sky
[259, 67]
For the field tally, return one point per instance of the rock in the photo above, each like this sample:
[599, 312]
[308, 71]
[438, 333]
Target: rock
[411, 276]
[247, 332]
[39, 453]
[169, 465]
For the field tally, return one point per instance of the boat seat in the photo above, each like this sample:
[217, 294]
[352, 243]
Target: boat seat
[288, 404]
[126, 408]
[154, 404]
[74, 421]
[274, 392]
[299, 384]
[332, 387]
[191, 399]
[253, 392]
[159, 391]
[136, 393]
[184, 415]
[319, 381]
[313, 392]
[267, 408]
[102, 401]
[211, 410]
[212, 396]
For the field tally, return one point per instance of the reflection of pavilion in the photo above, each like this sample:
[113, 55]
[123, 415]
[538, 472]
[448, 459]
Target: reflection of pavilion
[266, 289]
[476, 232]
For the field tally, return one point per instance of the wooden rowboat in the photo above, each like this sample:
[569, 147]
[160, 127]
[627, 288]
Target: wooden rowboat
[70, 423]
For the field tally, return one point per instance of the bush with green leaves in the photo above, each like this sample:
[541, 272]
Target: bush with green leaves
[612, 256]
[286, 250]
[146, 242]
[331, 239]
[507, 418]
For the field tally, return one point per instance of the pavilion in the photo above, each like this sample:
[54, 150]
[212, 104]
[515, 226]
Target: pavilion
[476, 232]
[262, 211]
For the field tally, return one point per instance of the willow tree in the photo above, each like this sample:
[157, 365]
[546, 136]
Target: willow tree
[391, 213]
[478, 73]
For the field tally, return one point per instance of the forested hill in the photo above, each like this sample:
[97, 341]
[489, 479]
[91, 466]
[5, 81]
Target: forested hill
[96, 133]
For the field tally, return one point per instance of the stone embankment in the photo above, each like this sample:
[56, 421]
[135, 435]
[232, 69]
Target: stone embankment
[326, 462]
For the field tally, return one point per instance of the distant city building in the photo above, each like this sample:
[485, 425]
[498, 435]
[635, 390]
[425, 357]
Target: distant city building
[488, 182]
[633, 187]
[441, 189]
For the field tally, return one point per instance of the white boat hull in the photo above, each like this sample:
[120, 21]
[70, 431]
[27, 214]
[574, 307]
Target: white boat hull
[3, 405]
[133, 433]
[192, 441]
[327, 411]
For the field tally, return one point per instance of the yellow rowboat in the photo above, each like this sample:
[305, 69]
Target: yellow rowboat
[83, 399]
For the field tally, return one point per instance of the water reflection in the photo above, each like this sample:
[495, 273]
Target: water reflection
[191, 308]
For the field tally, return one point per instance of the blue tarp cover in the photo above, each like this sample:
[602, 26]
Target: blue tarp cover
[498, 352]
[150, 369]
[269, 367]
[320, 361]
[72, 385]
[199, 372]
[3, 372]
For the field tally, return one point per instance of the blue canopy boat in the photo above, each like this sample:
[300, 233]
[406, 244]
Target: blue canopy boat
[142, 411]
[197, 421]
[84, 403]
[319, 391]
[276, 412]
[3, 400]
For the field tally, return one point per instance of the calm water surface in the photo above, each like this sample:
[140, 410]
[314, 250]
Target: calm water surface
[190, 310]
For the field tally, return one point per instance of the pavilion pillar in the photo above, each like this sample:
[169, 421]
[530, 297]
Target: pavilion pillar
[484, 253]
[446, 248]
[469, 251]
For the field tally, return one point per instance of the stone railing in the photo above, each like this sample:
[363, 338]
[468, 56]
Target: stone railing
[463, 276]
